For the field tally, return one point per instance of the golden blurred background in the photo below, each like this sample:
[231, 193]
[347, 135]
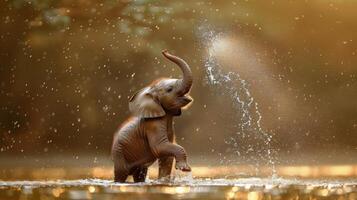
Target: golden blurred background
[68, 67]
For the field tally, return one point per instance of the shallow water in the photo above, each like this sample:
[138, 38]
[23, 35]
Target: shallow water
[291, 182]
[253, 188]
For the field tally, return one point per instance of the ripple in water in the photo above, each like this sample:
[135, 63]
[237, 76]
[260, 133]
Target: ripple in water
[247, 188]
[243, 182]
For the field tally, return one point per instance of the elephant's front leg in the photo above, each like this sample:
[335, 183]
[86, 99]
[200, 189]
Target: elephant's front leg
[168, 149]
[165, 167]
[156, 131]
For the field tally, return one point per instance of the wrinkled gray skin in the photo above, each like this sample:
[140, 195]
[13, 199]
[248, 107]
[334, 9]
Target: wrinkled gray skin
[149, 134]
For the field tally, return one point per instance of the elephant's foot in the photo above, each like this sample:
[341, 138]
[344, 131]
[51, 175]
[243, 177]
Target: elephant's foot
[165, 179]
[120, 176]
[183, 166]
[139, 174]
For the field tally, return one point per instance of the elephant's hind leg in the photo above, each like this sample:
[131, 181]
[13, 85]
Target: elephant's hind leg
[121, 171]
[120, 175]
[139, 174]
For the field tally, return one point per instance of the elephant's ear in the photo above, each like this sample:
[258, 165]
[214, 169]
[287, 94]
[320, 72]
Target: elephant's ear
[144, 105]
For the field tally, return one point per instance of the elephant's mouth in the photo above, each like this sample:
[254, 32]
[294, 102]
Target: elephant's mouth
[180, 102]
[185, 101]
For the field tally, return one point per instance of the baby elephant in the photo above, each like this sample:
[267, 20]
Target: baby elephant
[149, 134]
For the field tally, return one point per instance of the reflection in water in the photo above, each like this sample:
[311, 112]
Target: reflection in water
[338, 184]
[246, 188]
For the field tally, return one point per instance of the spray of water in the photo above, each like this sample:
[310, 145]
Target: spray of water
[242, 99]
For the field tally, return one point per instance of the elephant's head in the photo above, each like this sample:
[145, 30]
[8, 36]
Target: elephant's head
[164, 95]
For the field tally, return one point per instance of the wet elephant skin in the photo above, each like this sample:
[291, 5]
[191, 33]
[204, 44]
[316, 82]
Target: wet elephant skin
[148, 134]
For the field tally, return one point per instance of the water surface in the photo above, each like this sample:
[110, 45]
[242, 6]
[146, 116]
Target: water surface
[185, 186]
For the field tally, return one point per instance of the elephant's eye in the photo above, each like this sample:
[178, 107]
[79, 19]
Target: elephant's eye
[169, 89]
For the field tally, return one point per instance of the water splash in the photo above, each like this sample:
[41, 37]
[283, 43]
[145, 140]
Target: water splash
[182, 177]
[242, 99]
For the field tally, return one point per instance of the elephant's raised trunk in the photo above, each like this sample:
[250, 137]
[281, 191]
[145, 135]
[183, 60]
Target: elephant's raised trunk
[186, 82]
